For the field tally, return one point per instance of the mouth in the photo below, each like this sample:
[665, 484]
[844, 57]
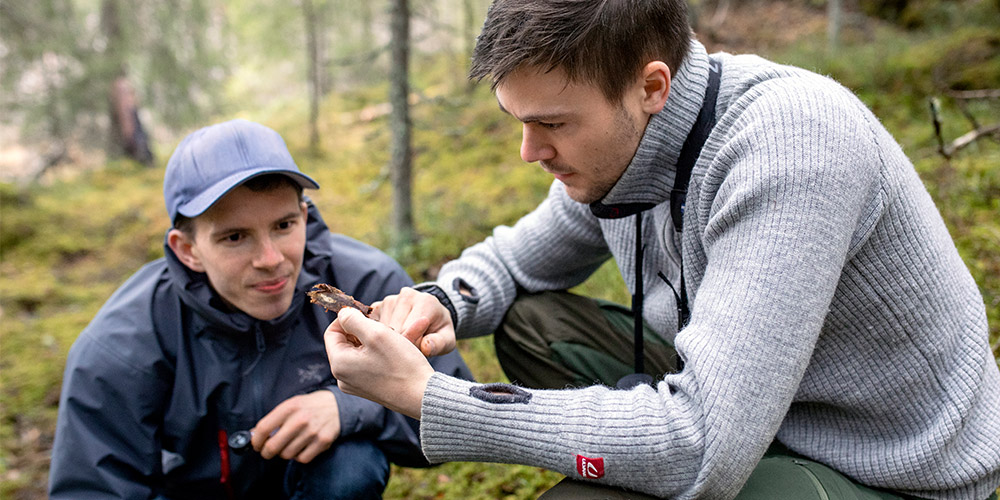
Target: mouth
[559, 173]
[270, 286]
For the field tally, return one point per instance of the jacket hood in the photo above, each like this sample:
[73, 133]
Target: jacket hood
[195, 291]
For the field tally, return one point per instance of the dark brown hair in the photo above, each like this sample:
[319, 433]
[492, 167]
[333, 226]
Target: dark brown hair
[605, 42]
[259, 184]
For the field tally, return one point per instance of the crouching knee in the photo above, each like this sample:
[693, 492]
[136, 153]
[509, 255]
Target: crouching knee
[351, 469]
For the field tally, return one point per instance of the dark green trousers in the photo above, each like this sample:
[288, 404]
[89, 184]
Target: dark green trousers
[555, 340]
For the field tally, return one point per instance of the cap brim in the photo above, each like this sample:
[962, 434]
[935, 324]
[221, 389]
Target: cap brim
[209, 196]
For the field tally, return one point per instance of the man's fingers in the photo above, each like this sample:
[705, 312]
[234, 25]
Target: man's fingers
[416, 328]
[376, 312]
[353, 327]
[401, 310]
[267, 426]
[436, 344]
[273, 442]
[310, 452]
[295, 447]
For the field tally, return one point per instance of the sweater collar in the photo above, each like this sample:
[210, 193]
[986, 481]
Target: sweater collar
[649, 177]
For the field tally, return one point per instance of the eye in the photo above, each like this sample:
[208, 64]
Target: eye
[550, 126]
[286, 224]
[231, 238]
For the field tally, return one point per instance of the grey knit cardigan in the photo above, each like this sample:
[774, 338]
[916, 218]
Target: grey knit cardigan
[830, 309]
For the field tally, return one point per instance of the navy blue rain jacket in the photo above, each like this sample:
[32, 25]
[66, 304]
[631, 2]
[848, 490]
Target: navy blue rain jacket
[165, 372]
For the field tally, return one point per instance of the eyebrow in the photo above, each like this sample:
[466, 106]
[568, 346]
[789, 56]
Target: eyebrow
[540, 117]
[236, 229]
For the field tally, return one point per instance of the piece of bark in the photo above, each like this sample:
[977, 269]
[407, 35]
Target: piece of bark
[334, 299]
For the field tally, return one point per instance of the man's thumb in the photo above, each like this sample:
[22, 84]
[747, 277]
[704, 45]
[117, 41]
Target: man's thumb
[427, 347]
[351, 323]
[350, 320]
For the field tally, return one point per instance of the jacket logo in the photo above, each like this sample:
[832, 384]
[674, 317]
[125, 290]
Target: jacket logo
[312, 373]
[591, 468]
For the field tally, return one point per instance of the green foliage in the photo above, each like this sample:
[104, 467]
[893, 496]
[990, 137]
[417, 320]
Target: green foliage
[925, 14]
[40, 39]
[61, 56]
[472, 481]
[887, 69]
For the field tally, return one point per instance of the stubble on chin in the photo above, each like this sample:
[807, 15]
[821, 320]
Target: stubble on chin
[586, 197]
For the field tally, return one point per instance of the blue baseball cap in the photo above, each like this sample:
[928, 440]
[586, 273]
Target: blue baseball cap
[213, 160]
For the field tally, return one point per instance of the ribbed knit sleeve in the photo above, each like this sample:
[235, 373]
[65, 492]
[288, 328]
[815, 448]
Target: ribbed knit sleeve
[556, 246]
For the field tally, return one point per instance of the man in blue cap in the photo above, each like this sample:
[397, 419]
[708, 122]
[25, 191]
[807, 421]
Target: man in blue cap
[214, 348]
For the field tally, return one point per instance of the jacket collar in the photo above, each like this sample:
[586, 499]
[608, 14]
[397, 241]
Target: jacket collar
[649, 177]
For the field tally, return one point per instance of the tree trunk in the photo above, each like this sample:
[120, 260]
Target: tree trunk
[127, 135]
[367, 19]
[116, 78]
[834, 15]
[399, 89]
[314, 65]
[468, 38]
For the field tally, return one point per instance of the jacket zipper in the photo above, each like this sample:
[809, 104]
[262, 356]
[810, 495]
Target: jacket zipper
[257, 393]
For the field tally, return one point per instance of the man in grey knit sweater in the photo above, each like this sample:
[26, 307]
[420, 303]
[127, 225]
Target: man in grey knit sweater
[830, 341]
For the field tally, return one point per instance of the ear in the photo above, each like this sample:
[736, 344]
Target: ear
[183, 247]
[656, 86]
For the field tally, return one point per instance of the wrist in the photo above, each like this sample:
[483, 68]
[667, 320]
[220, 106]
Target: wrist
[415, 408]
[442, 297]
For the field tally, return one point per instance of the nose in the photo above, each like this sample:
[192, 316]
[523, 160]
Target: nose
[534, 147]
[268, 255]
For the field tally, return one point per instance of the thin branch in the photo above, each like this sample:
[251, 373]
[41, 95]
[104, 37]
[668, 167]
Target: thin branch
[368, 57]
[963, 106]
[977, 132]
[975, 94]
[972, 136]
[361, 57]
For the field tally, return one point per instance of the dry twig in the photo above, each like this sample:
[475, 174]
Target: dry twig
[978, 131]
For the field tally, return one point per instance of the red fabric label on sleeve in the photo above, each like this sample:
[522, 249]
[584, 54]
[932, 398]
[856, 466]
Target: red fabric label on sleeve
[590, 468]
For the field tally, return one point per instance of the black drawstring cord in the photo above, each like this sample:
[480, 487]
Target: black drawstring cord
[683, 314]
[685, 164]
[637, 378]
[637, 297]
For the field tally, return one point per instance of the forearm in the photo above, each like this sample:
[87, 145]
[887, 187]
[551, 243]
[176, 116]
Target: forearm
[555, 430]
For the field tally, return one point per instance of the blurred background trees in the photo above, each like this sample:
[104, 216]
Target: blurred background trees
[191, 59]
[60, 59]
[188, 59]
[183, 61]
